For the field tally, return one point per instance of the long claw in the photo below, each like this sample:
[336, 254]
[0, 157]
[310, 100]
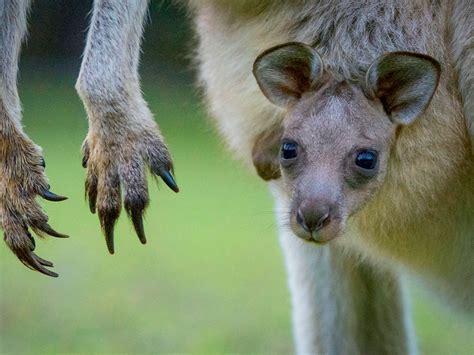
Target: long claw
[51, 196]
[169, 180]
[107, 221]
[32, 240]
[29, 260]
[137, 220]
[43, 163]
[84, 161]
[109, 238]
[91, 193]
[92, 201]
[45, 227]
[43, 261]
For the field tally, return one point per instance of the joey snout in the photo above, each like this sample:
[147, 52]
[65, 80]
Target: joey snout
[316, 215]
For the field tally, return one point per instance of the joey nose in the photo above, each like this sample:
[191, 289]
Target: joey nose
[313, 217]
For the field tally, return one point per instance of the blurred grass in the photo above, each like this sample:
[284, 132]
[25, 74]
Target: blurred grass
[210, 279]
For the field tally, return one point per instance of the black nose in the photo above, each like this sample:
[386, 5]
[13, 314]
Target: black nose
[313, 217]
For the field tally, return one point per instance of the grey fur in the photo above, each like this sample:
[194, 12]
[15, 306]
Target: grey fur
[340, 289]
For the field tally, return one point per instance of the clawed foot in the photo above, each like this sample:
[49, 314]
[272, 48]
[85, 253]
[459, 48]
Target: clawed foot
[23, 179]
[116, 162]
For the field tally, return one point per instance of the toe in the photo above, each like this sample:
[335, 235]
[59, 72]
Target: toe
[109, 205]
[22, 244]
[161, 164]
[85, 153]
[91, 189]
[134, 181]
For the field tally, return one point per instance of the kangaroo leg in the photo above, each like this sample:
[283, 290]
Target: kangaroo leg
[21, 164]
[123, 138]
[342, 305]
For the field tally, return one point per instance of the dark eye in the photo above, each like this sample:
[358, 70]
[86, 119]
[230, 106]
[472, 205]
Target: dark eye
[366, 159]
[289, 150]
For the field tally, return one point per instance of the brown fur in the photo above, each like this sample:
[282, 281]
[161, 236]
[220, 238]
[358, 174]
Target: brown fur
[265, 154]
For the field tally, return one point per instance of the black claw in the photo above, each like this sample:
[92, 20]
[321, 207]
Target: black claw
[169, 180]
[45, 227]
[107, 221]
[32, 240]
[137, 219]
[109, 238]
[91, 194]
[84, 161]
[51, 196]
[92, 201]
[45, 271]
[28, 258]
[31, 261]
[43, 261]
[42, 163]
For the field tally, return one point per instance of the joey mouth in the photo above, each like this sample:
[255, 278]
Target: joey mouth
[316, 224]
[318, 237]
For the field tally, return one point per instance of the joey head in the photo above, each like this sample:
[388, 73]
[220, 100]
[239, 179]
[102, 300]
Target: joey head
[333, 149]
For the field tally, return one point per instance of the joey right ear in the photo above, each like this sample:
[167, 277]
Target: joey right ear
[404, 82]
[287, 71]
[265, 154]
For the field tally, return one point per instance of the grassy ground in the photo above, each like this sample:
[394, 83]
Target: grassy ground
[210, 280]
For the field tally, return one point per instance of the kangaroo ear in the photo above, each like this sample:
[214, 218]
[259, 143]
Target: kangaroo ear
[266, 154]
[287, 71]
[404, 82]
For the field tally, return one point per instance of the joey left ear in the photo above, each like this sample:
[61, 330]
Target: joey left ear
[265, 154]
[404, 82]
[287, 71]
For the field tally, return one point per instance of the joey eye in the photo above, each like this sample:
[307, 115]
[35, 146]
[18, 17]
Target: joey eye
[289, 150]
[366, 159]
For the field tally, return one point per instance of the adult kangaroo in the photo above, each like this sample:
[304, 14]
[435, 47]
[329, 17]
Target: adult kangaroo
[312, 93]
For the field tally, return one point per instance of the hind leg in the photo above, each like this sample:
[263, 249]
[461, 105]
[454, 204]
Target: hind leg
[22, 176]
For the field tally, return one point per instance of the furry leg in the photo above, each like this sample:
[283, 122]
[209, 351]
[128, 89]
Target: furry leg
[21, 164]
[123, 138]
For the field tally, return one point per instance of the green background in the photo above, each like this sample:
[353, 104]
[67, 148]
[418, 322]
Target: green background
[210, 279]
